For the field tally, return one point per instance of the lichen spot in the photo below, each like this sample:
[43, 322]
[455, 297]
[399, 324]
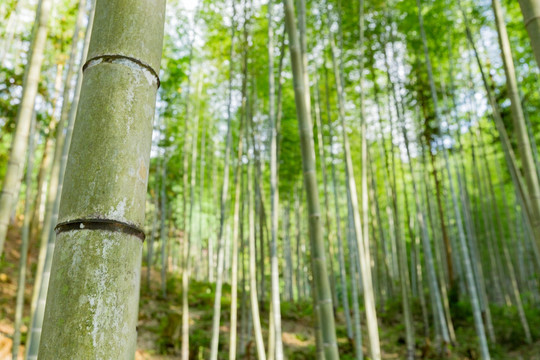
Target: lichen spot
[118, 211]
[143, 171]
[83, 299]
[149, 77]
[107, 246]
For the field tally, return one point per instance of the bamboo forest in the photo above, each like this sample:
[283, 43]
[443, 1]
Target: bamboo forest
[261, 179]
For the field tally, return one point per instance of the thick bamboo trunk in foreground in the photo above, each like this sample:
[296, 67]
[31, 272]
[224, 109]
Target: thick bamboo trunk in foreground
[531, 18]
[94, 288]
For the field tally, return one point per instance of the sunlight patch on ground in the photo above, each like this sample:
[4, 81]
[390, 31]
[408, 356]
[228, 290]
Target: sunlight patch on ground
[290, 339]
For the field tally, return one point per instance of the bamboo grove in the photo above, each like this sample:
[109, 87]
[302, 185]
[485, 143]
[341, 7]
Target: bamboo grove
[372, 164]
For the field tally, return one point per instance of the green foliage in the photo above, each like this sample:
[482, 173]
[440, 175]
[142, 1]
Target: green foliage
[307, 353]
[296, 310]
[509, 333]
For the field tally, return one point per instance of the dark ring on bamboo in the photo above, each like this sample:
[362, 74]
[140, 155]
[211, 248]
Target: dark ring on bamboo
[530, 20]
[110, 58]
[100, 224]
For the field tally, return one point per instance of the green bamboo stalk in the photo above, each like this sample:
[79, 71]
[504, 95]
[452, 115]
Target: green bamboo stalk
[520, 128]
[394, 231]
[24, 242]
[341, 256]
[302, 40]
[150, 241]
[465, 252]
[530, 197]
[440, 271]
[244, 300]
[364, 258]
[320, 276]
[53, 194]
[274, 196]
[234, 263]
[378, 224]
[287, 253]
[416, 276]
[162, 232]
[9, 33]
[189, 229]
[210, 243]
[19, 143]
[260, 209]
[99, 315]
[298, 229]
[238, 186]
[402, 253]
[38, 214]
[202, 166]
[485, 210]
[355, 279]
[252, 269]
[41, 283]
[531, 18]
[508, 261]
[322, 160]
[365, 155]
[224, 202]
[461, 174]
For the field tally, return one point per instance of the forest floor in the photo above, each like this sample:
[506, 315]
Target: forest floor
[159, 326]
